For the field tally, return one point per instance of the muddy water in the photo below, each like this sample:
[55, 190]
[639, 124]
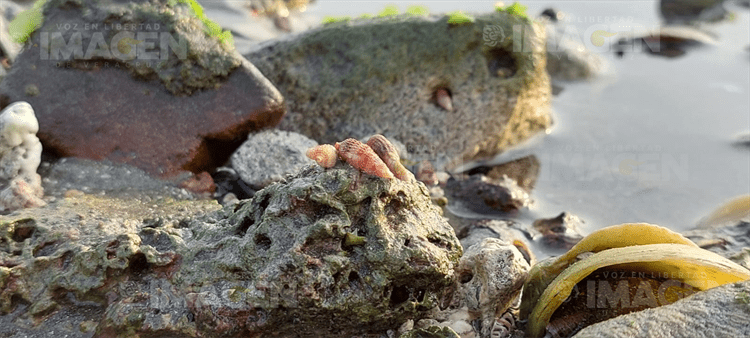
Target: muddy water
[650, 141]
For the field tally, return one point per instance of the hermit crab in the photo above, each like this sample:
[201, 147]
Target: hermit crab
[657, 258]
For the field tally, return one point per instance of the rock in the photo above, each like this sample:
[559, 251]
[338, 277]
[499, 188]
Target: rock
[8, 47]
[561, 232]
[326, 245]
[524, 171]
[425, 173]
[718, 312]
[687, 11]
[118, 103]
[552, 14]
[254, 21]
[380, 76]
[568, 59]
[268, 156]
[229, 182]
[491, 274]
[742, 140]
[474, 232]
[431, 332]
[729, 241]
[20, 154]
[667, 41]
[106, 178]
[199, 184]
[482, 194]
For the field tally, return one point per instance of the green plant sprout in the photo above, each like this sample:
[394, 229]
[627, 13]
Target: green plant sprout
[417, 10]
[515, 9]
[26, 22]
[334, 19]
[390, 10]
[459, 18]
[212, 28]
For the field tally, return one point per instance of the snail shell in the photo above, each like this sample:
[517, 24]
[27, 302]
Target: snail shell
[324, 154]
[388, 153]
[362, 157]
[444, 99]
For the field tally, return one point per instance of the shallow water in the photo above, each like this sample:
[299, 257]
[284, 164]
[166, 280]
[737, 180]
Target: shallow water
[651, 141]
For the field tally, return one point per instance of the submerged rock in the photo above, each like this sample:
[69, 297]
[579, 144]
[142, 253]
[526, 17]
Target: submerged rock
[524, 171]
[687, 11]
[383, 76]
[667, 41]
[561, 232]
[568, 59]
[268, 156]
[481, 193]
[139, 83]
[718, 312]
[294, 260]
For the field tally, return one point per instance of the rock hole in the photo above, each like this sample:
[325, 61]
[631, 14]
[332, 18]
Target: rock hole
[247, 222]
[46, 249]
[262, 242]
[501, 63]
[137, 264]
[264, 202]
[66, 258]
[466, 277]
[399, 294]
[438, 242]
[420, 295]
[24, 229]
[353, 276]
[17, 300]
[393, 206]
[407, 242]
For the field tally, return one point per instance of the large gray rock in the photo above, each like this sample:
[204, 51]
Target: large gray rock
[268, 156]
[382, 76]
[719, 312]
[294, 260]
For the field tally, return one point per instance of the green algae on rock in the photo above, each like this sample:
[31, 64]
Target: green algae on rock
[193, 51]
[381, 75]
[326, 244]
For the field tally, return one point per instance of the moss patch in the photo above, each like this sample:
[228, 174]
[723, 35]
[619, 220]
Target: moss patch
[515, 9]
[211, 27]
[27, 22]
[459, 18]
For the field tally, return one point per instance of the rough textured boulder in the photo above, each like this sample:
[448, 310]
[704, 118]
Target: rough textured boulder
[390, 76]
[268, 156]
[491, 274]
[719, 312]
[329, 253]
[106, 81]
